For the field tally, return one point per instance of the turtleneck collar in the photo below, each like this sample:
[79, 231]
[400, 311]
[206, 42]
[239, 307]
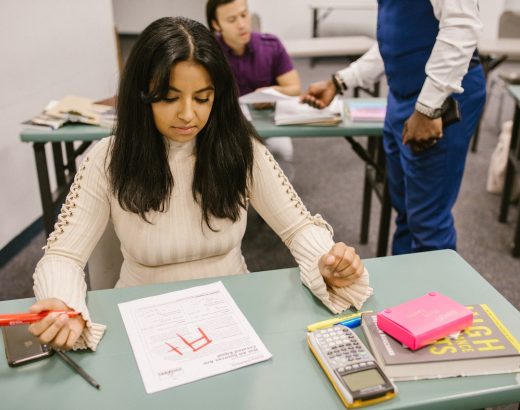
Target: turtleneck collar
[180, 149]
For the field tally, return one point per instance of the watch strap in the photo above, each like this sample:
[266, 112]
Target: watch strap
[338, 82]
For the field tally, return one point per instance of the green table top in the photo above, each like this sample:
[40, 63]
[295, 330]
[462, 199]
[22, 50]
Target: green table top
[514, 90]
[278, 307]
[263, 121]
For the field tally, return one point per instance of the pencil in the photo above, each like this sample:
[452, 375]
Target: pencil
[334, 321]
[77, 368]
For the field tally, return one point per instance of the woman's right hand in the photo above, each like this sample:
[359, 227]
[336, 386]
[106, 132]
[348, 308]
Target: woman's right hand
[319, 94]
[59, 331]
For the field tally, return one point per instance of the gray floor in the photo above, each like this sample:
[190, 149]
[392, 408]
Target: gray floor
[328, 177]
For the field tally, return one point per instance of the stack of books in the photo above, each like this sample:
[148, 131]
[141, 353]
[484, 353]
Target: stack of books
[74, 109]
[366, 111]
[485, 347]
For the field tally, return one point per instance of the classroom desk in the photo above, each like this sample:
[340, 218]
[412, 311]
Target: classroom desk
[512, 170]
[329, 5]
[64, 171]
[278, 307]
[263, 120]
[509, 47]
[351, 47]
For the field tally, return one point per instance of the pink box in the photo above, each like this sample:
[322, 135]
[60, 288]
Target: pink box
[424, 320]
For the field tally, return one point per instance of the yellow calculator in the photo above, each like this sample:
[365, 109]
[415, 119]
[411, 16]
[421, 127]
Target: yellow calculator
[352, 370]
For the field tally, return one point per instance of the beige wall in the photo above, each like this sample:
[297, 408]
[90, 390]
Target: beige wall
[48, 49]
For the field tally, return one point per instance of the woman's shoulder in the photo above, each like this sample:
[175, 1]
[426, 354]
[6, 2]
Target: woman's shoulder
[259, 147]
[100, 149]
[98, 155]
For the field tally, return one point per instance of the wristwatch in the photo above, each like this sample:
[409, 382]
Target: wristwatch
[429, 112]
[338, 82]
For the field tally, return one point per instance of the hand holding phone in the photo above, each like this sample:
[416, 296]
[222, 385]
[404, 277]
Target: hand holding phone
[450, 113]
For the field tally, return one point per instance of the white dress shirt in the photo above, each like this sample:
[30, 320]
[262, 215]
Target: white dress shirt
[459, 31]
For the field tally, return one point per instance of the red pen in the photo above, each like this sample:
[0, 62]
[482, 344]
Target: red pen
[12, 319]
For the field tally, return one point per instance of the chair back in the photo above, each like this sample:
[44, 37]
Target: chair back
[509, 24]
[104, 264]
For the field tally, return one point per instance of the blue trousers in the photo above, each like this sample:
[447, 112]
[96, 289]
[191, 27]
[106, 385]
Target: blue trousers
[424, 187]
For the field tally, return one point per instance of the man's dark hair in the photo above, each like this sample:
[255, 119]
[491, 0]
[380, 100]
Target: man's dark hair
[138, 167]
[211, 10]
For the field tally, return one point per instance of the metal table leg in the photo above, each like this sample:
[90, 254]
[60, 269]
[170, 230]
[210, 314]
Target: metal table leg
[510, 169]
[45, 188]
[367, 194]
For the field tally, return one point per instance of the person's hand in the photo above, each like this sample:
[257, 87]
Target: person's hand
[59, 331]
[421, 132]
[341, 266]
[320, 94]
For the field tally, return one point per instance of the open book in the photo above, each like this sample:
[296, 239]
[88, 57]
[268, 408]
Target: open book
[291, 111]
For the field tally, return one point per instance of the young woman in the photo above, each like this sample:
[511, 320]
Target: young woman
[176, 180]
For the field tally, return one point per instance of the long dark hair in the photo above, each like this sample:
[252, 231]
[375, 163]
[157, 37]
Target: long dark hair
[140, 176]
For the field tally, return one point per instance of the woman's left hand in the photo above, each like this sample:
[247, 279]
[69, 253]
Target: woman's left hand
[341, 266]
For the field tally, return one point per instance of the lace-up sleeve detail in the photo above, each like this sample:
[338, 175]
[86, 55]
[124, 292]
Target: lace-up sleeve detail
[307, 236]
[67, 209]
[80, 224]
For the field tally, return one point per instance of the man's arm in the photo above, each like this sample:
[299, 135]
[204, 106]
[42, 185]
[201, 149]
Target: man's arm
[459, 32]
[365, 71]
[288, 83]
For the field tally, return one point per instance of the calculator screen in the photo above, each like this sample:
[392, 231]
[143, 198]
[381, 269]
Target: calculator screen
[363, 379]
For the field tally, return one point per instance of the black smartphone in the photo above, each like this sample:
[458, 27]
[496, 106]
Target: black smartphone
[451, 112]
[22, 347]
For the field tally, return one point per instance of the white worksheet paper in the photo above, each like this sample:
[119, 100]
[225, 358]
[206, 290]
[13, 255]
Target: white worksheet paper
[183, 336]
[264, 95]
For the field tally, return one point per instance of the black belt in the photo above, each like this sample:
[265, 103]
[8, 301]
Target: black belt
[475, 60]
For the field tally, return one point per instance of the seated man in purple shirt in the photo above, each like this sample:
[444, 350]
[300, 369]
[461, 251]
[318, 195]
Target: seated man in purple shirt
[258, 60]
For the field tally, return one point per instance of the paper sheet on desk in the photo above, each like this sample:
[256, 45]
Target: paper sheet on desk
[183, 336]
[265, 95]
[292, 111]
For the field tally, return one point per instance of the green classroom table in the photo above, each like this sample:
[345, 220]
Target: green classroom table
[278, 307]
[62, 141]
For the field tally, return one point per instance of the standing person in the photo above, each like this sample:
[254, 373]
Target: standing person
[427, 49]
[258, 60]
[176, 179]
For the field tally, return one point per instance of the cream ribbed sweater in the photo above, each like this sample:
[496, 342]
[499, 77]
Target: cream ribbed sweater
[177, 245]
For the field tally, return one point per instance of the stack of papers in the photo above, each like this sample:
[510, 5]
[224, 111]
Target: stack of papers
[366, 111]
[263, 96]
[292, 111]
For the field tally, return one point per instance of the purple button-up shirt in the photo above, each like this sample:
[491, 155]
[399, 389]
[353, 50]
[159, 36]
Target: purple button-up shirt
[264, 59]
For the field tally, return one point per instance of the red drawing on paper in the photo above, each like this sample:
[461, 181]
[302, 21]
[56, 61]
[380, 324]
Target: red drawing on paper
[173, 348]
[194, 345]
[206, 341]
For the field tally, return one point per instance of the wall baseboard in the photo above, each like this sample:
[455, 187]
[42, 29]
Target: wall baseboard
[20, 241]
